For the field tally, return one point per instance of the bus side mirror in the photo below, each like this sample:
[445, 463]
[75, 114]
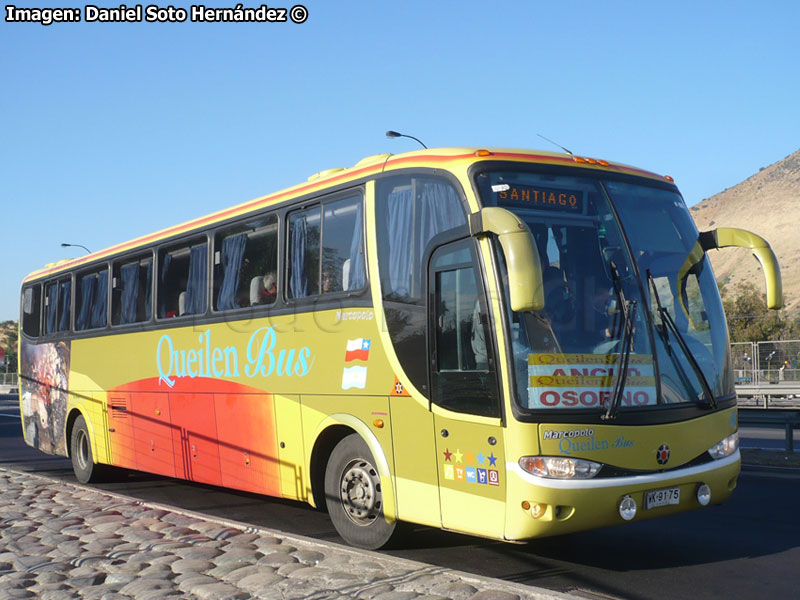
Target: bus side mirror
[525, 286]
[725, 237]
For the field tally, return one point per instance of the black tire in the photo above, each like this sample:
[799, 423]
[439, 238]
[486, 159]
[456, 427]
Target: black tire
[80, 451]
[354, 495]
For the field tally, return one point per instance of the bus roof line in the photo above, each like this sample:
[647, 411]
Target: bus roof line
[396, 160]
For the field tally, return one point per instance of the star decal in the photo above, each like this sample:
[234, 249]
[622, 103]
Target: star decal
[481, 458]
[447, 454]
[470, 458]
[492, 460]
[457, 455]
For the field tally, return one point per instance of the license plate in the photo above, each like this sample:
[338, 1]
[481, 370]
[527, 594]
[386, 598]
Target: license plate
[662, 497]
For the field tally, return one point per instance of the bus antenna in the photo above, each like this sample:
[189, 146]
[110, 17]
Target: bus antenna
[556, 144]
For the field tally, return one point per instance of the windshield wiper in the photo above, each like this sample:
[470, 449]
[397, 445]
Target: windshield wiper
[628, 309]
[667, 319]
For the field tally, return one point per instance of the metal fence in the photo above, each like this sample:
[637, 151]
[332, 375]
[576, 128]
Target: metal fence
[758, 363]
[8, 379]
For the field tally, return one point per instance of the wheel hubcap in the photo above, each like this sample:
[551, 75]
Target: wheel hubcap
[360, 492]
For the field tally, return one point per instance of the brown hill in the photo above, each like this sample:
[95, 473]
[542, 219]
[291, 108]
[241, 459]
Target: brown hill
[768, 203]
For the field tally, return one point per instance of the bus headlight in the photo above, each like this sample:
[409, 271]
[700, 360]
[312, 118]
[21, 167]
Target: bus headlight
[557, 467]
[726, 447]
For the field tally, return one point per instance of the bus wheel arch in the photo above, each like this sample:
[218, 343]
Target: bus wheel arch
[325, 442]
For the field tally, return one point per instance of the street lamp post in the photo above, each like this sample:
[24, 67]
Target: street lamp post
[63, 245]
[396, 134]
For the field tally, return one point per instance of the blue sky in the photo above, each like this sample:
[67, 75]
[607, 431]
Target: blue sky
[110, 131]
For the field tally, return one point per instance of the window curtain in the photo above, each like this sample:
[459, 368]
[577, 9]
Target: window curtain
[52, 308]
[232, 254]
[88, 283]
[162, 291]
[357, 276]
[64, 304]
[100, 305]
[148, 305]
[441, 210]
[196, 289]
[130, 292]
[401, 235]
[298, 282]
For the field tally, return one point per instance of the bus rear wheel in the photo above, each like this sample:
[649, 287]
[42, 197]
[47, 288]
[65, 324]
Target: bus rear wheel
[80, 451]
[354, 495]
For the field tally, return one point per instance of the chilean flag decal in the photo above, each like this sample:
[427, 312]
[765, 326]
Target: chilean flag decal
[357, 349]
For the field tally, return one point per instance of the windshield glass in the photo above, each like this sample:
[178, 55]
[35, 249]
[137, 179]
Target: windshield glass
[662, 234]
[565, 356]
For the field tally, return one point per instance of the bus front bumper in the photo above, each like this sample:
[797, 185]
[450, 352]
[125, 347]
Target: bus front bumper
[538, 507]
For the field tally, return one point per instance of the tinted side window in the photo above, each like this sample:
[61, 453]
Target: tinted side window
[246, 264]
[91, 300]
[464, 378]
[132, 291]
[411, 211]
[31, 306]
[58, 304]
[342, 246]
[303, 252]
[326, 249]
[182, 280]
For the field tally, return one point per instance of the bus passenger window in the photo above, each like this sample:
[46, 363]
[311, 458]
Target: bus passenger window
[342, 247]
[31, 305]
[64, 304]
[303, 252]
[246, 264]
[91, 300]
[326, 257]
[182, 281]
[132, 291]
[411, 212]
[57, 306]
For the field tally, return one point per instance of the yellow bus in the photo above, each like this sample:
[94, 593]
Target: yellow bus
[505, 343]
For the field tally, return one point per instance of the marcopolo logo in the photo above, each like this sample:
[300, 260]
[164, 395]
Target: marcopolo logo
[557, 435]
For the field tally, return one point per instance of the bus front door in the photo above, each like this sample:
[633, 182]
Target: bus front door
[467, 423]
[471, 475]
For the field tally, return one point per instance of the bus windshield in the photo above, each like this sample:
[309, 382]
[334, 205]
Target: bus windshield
[611, 255]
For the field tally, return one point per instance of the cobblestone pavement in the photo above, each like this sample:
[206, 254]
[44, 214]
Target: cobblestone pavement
[59, 540]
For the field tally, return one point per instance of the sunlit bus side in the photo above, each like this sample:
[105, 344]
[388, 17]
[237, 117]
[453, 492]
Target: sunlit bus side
[504, 343]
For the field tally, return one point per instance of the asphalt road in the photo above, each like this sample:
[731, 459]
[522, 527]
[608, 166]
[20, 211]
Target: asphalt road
[747, 548]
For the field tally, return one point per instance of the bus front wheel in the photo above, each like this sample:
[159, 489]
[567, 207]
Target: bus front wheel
[354, 495]
[80, 451]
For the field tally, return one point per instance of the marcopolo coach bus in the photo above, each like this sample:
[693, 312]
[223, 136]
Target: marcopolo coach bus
[504, 343]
